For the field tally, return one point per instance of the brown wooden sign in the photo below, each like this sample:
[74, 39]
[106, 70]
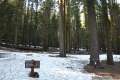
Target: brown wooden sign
[32, 64]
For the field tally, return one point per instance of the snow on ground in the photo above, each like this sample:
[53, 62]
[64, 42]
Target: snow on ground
[52, 68]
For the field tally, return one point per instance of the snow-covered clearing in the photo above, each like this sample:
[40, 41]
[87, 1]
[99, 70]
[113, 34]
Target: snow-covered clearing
[52, 68]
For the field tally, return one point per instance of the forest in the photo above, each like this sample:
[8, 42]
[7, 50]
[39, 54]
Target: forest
[69, 25]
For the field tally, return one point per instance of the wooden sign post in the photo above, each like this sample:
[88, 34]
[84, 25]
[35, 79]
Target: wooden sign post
[32, 64]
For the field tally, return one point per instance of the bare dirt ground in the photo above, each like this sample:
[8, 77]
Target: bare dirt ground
[107, 70]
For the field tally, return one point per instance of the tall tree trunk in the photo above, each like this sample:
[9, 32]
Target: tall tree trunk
[46, 14]
[107, 31]
[94, 54]
[62, 28]
[110, 35]
[68, 26]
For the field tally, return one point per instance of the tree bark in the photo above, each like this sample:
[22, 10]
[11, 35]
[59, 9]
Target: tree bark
[94, 54]
[62, 29]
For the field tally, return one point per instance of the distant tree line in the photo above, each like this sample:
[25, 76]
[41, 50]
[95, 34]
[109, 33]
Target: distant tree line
[65, 24]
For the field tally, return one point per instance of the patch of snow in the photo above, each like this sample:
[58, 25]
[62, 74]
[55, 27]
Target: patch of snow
[51, 68]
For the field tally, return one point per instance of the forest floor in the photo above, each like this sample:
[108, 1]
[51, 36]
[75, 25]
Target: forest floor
[106, 70]
[12, 67]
